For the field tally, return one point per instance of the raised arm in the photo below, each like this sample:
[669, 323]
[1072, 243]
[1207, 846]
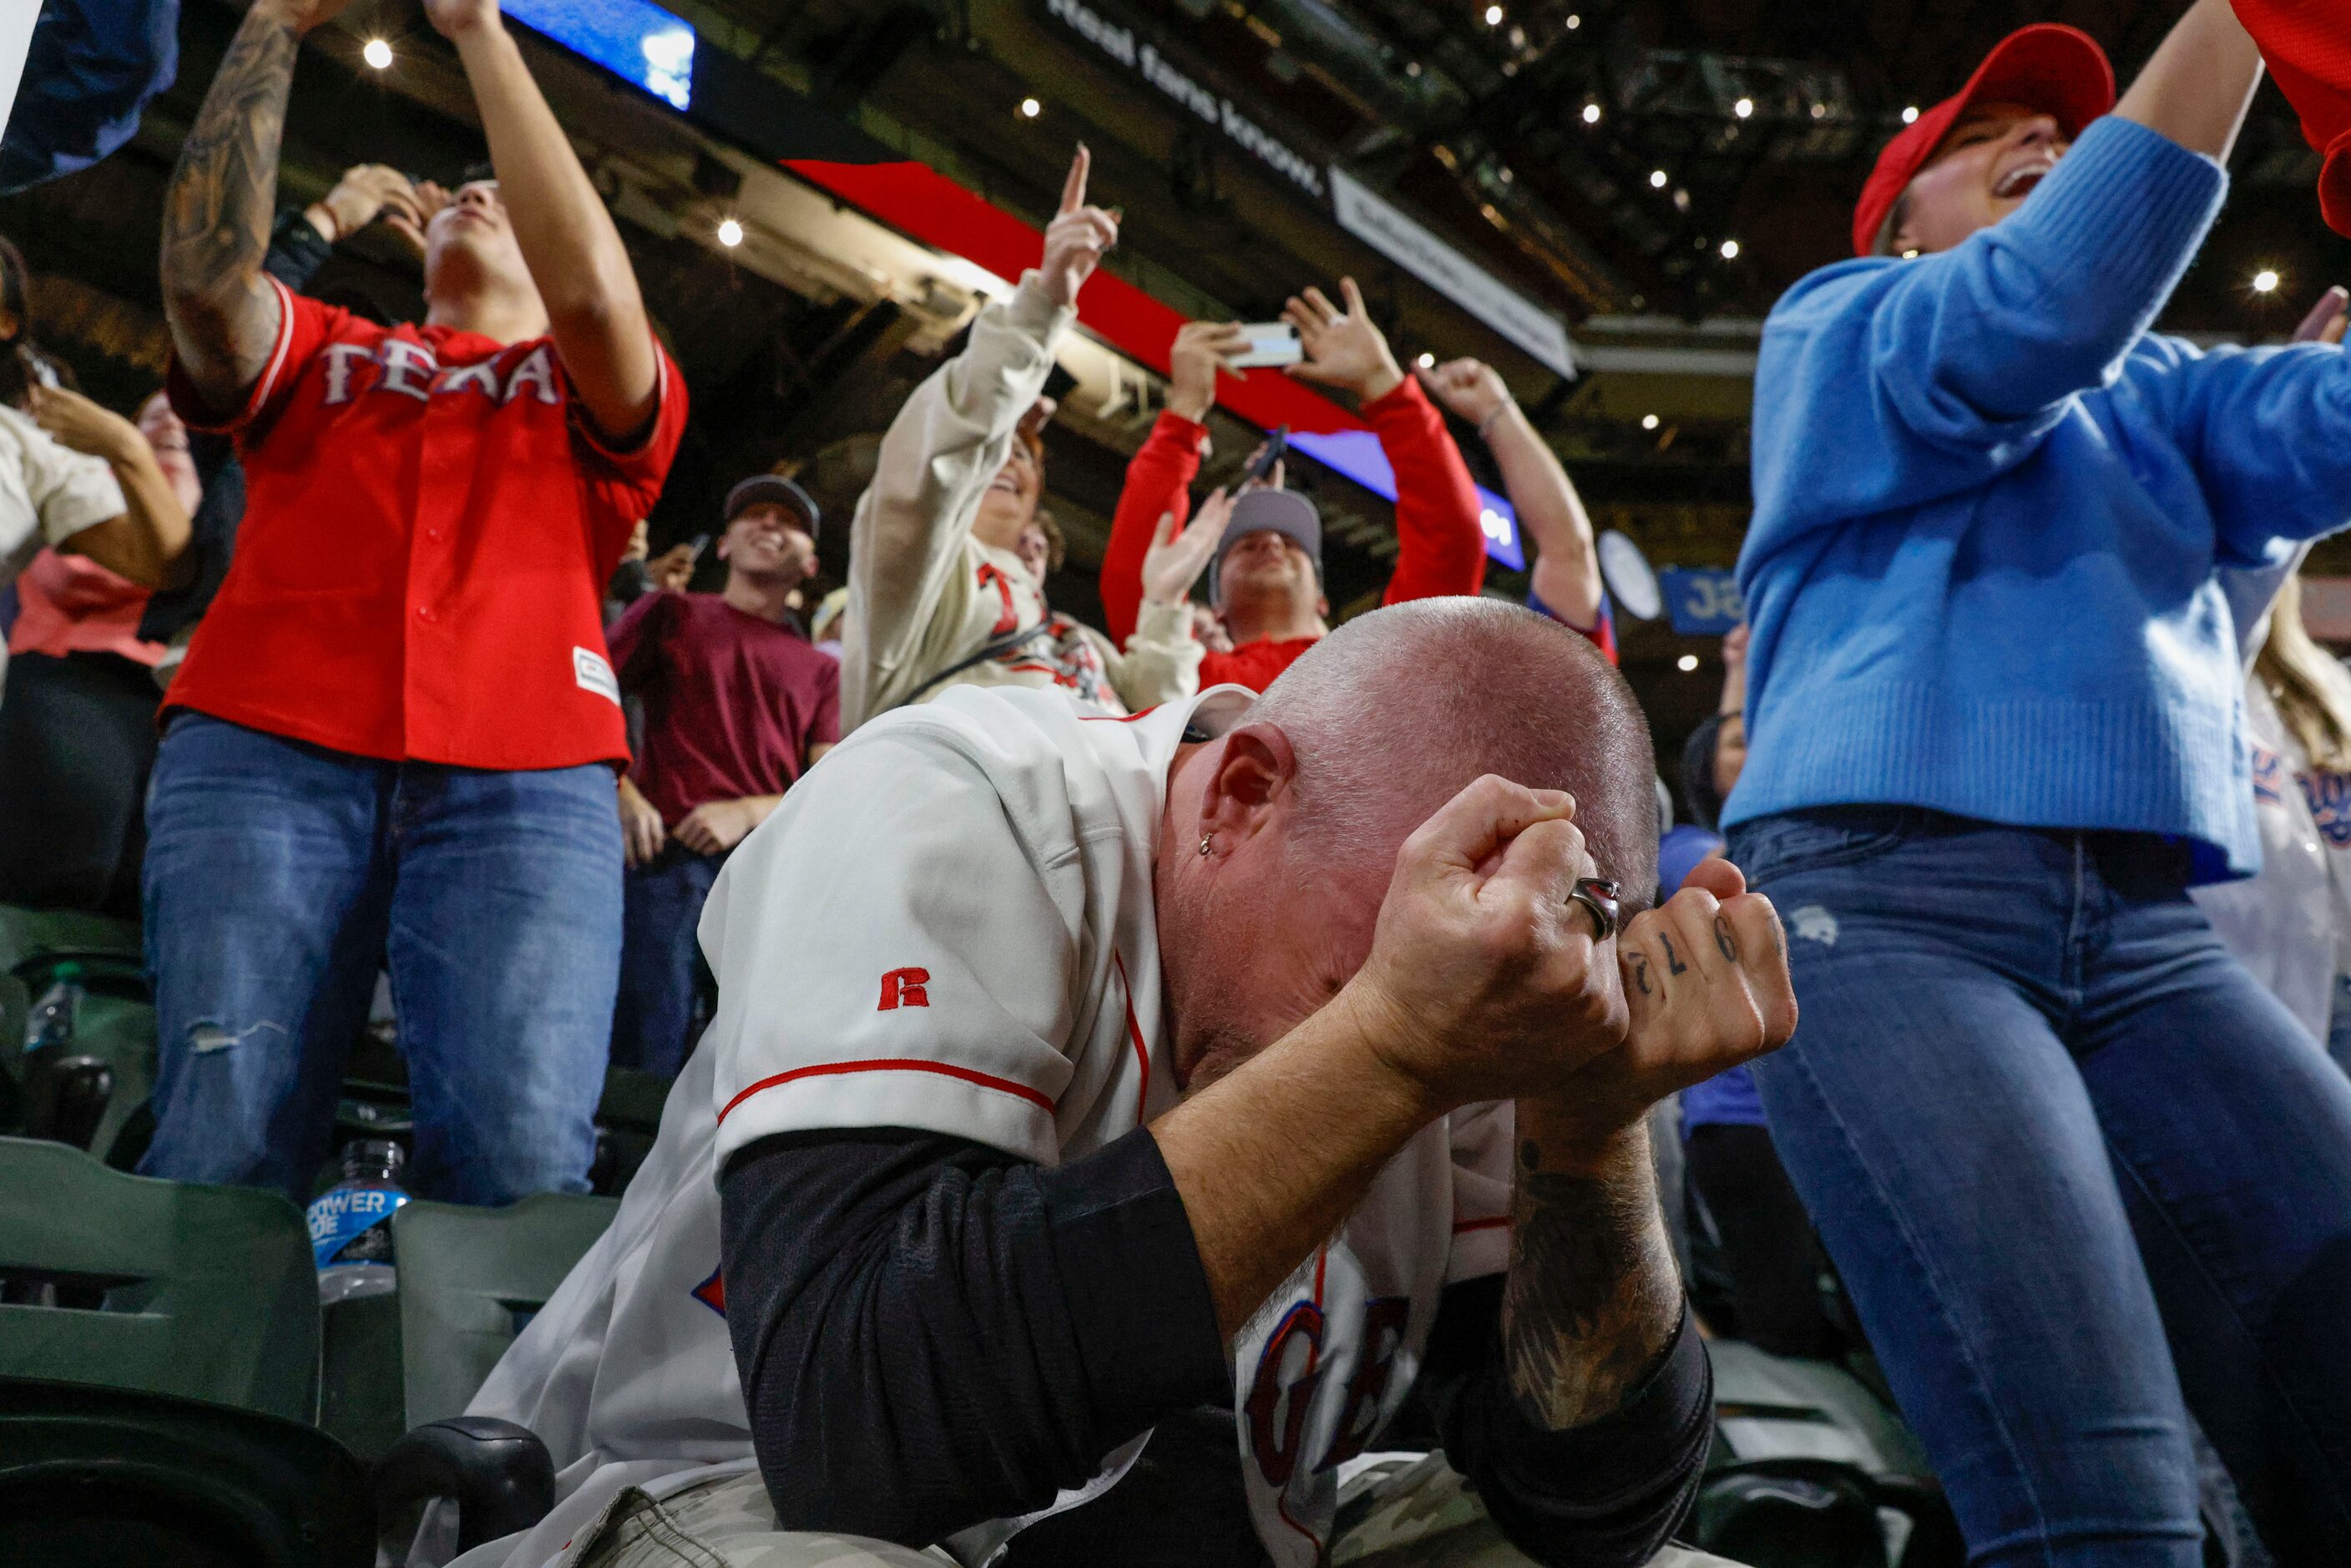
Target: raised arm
[222, 311]
[944, 448]
[1566, 570]
[1440, 547]
[147, 543]
[2199, 83]
[1159, 476]
[575, 255]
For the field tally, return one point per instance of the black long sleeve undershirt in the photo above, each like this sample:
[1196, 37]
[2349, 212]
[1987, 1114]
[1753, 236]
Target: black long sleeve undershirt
[932, 1334]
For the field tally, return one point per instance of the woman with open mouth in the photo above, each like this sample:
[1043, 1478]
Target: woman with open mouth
[2081, 1173]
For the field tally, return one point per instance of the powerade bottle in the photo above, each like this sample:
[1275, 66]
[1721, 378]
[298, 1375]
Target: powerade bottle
[351, 1223]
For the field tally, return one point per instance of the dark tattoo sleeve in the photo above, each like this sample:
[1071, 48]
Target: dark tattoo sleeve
[1592, 1295]
[216, 213]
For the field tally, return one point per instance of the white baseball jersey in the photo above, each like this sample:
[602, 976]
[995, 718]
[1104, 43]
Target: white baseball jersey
[949, 925]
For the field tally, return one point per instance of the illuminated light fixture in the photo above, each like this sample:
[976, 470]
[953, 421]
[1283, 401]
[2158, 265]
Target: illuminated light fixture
[2265, 281]
[378, 54]
[1686, 662]
[1731, 250]
[1426, 361]
[1493, 15]
[1590, 114]
[730, 232]
[1573, 22]
[1030, 109]
[1743, 108]
[1910, 114]
[1412, 67]
[1657, 178]
[1820, 112]
[1648, 422]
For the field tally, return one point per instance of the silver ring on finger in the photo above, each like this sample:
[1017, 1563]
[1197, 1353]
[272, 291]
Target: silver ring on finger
[1600, 898]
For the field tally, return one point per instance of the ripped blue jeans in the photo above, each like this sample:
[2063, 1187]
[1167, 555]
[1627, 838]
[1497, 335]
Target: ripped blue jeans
[281, 877]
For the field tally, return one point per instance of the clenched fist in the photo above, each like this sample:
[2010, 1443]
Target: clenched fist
[1706, 983]
[1484, 981]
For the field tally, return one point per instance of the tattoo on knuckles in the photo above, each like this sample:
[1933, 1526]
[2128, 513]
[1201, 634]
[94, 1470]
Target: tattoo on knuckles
[1673, 964]
[1640, 963]
[1725, 944]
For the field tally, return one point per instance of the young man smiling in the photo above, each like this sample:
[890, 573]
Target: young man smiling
[737, 706]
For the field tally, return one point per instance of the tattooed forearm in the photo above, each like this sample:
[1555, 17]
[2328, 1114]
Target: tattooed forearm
[216, 211]
[1592, 1295]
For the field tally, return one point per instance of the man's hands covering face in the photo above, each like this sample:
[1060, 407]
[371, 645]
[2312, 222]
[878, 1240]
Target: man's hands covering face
[1484, 981]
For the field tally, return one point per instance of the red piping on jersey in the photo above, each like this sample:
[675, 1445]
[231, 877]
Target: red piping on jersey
[1314, 1359]
[893, 1064]
[1461, 1227]
[1134, 1034]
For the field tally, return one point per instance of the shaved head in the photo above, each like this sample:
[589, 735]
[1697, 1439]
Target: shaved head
[1280, 838]
[1397, 711]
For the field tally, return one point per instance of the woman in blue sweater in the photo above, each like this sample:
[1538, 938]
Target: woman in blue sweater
[2080, 1174]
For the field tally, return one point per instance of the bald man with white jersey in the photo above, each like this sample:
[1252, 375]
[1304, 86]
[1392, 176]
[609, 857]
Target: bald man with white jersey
[1108, 1126]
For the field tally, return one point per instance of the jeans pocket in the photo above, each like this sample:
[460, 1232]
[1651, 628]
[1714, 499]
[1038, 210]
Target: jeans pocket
[1773, 847]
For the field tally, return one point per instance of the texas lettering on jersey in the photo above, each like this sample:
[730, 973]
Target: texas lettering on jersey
[400, 367]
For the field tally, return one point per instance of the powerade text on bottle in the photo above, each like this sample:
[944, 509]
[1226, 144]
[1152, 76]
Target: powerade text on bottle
[351, 1223]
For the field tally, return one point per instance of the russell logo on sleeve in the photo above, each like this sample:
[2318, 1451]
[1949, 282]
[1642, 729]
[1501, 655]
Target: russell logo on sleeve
[905, 989]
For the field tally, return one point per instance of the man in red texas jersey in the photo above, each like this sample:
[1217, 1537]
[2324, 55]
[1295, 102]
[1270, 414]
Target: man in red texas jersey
[392, 743]
[1268, 583]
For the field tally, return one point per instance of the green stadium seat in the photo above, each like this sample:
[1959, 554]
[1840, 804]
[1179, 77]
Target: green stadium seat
[94, 1476]
[201, 1293]
[116, 1022]
[469, 1280]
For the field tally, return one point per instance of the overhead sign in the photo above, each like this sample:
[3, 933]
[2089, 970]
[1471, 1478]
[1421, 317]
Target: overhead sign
[1372, 220]
[634, 39]
[1121, 43]
[1704, 600]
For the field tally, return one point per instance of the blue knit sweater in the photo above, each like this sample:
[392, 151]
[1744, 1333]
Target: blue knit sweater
[1988, 508]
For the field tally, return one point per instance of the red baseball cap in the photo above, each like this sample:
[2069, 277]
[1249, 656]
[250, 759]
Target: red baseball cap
[2057, 69]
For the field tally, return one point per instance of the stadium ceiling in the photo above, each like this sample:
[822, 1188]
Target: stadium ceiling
[1596, 154]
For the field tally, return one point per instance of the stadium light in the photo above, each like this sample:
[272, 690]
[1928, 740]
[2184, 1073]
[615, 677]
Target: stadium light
[1590, 114]
[730, 232]
[1743, 108]
[1030, 109]
[1731, 250]
[1686, 662]
[1648, 422]
[378, 54]
[2265, 281]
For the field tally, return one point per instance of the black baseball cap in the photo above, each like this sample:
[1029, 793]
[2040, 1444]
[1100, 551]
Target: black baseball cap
[771, 487]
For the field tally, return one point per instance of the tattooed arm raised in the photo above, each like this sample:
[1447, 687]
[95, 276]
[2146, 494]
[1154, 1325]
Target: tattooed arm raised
[217, 209]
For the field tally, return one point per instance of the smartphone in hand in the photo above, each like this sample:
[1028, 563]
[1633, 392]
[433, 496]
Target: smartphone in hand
[1267, 343]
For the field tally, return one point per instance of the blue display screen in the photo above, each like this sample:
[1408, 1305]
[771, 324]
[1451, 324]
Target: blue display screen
[1357, 454]
[630, 38]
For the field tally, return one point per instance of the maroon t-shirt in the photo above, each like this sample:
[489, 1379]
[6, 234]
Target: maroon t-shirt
[732, 702]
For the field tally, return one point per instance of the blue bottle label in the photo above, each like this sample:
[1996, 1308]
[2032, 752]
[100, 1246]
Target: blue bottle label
[338, 1216]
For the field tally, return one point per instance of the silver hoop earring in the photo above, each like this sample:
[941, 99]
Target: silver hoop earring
[1204, 843]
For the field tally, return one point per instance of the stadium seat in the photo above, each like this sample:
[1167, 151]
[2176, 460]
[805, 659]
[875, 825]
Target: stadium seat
[92, 1476]
[1812, 1469]
[115, 1024]
[470, 1279]
[200, 1293]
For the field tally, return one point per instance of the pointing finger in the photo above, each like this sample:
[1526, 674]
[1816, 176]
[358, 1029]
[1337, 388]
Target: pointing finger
[1073, 189]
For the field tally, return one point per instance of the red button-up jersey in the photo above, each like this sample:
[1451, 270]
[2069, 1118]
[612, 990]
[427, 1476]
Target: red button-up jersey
[430, 520]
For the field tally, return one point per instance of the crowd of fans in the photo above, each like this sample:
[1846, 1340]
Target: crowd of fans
[344, 658]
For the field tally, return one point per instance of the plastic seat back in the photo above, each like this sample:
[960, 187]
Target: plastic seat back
[205, 1293]
[471, 1278]
[95, 1475]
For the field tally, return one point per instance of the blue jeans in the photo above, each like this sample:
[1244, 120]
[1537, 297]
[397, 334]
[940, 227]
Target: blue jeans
[661, 959]
[282, 877]
[2072, 1162]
